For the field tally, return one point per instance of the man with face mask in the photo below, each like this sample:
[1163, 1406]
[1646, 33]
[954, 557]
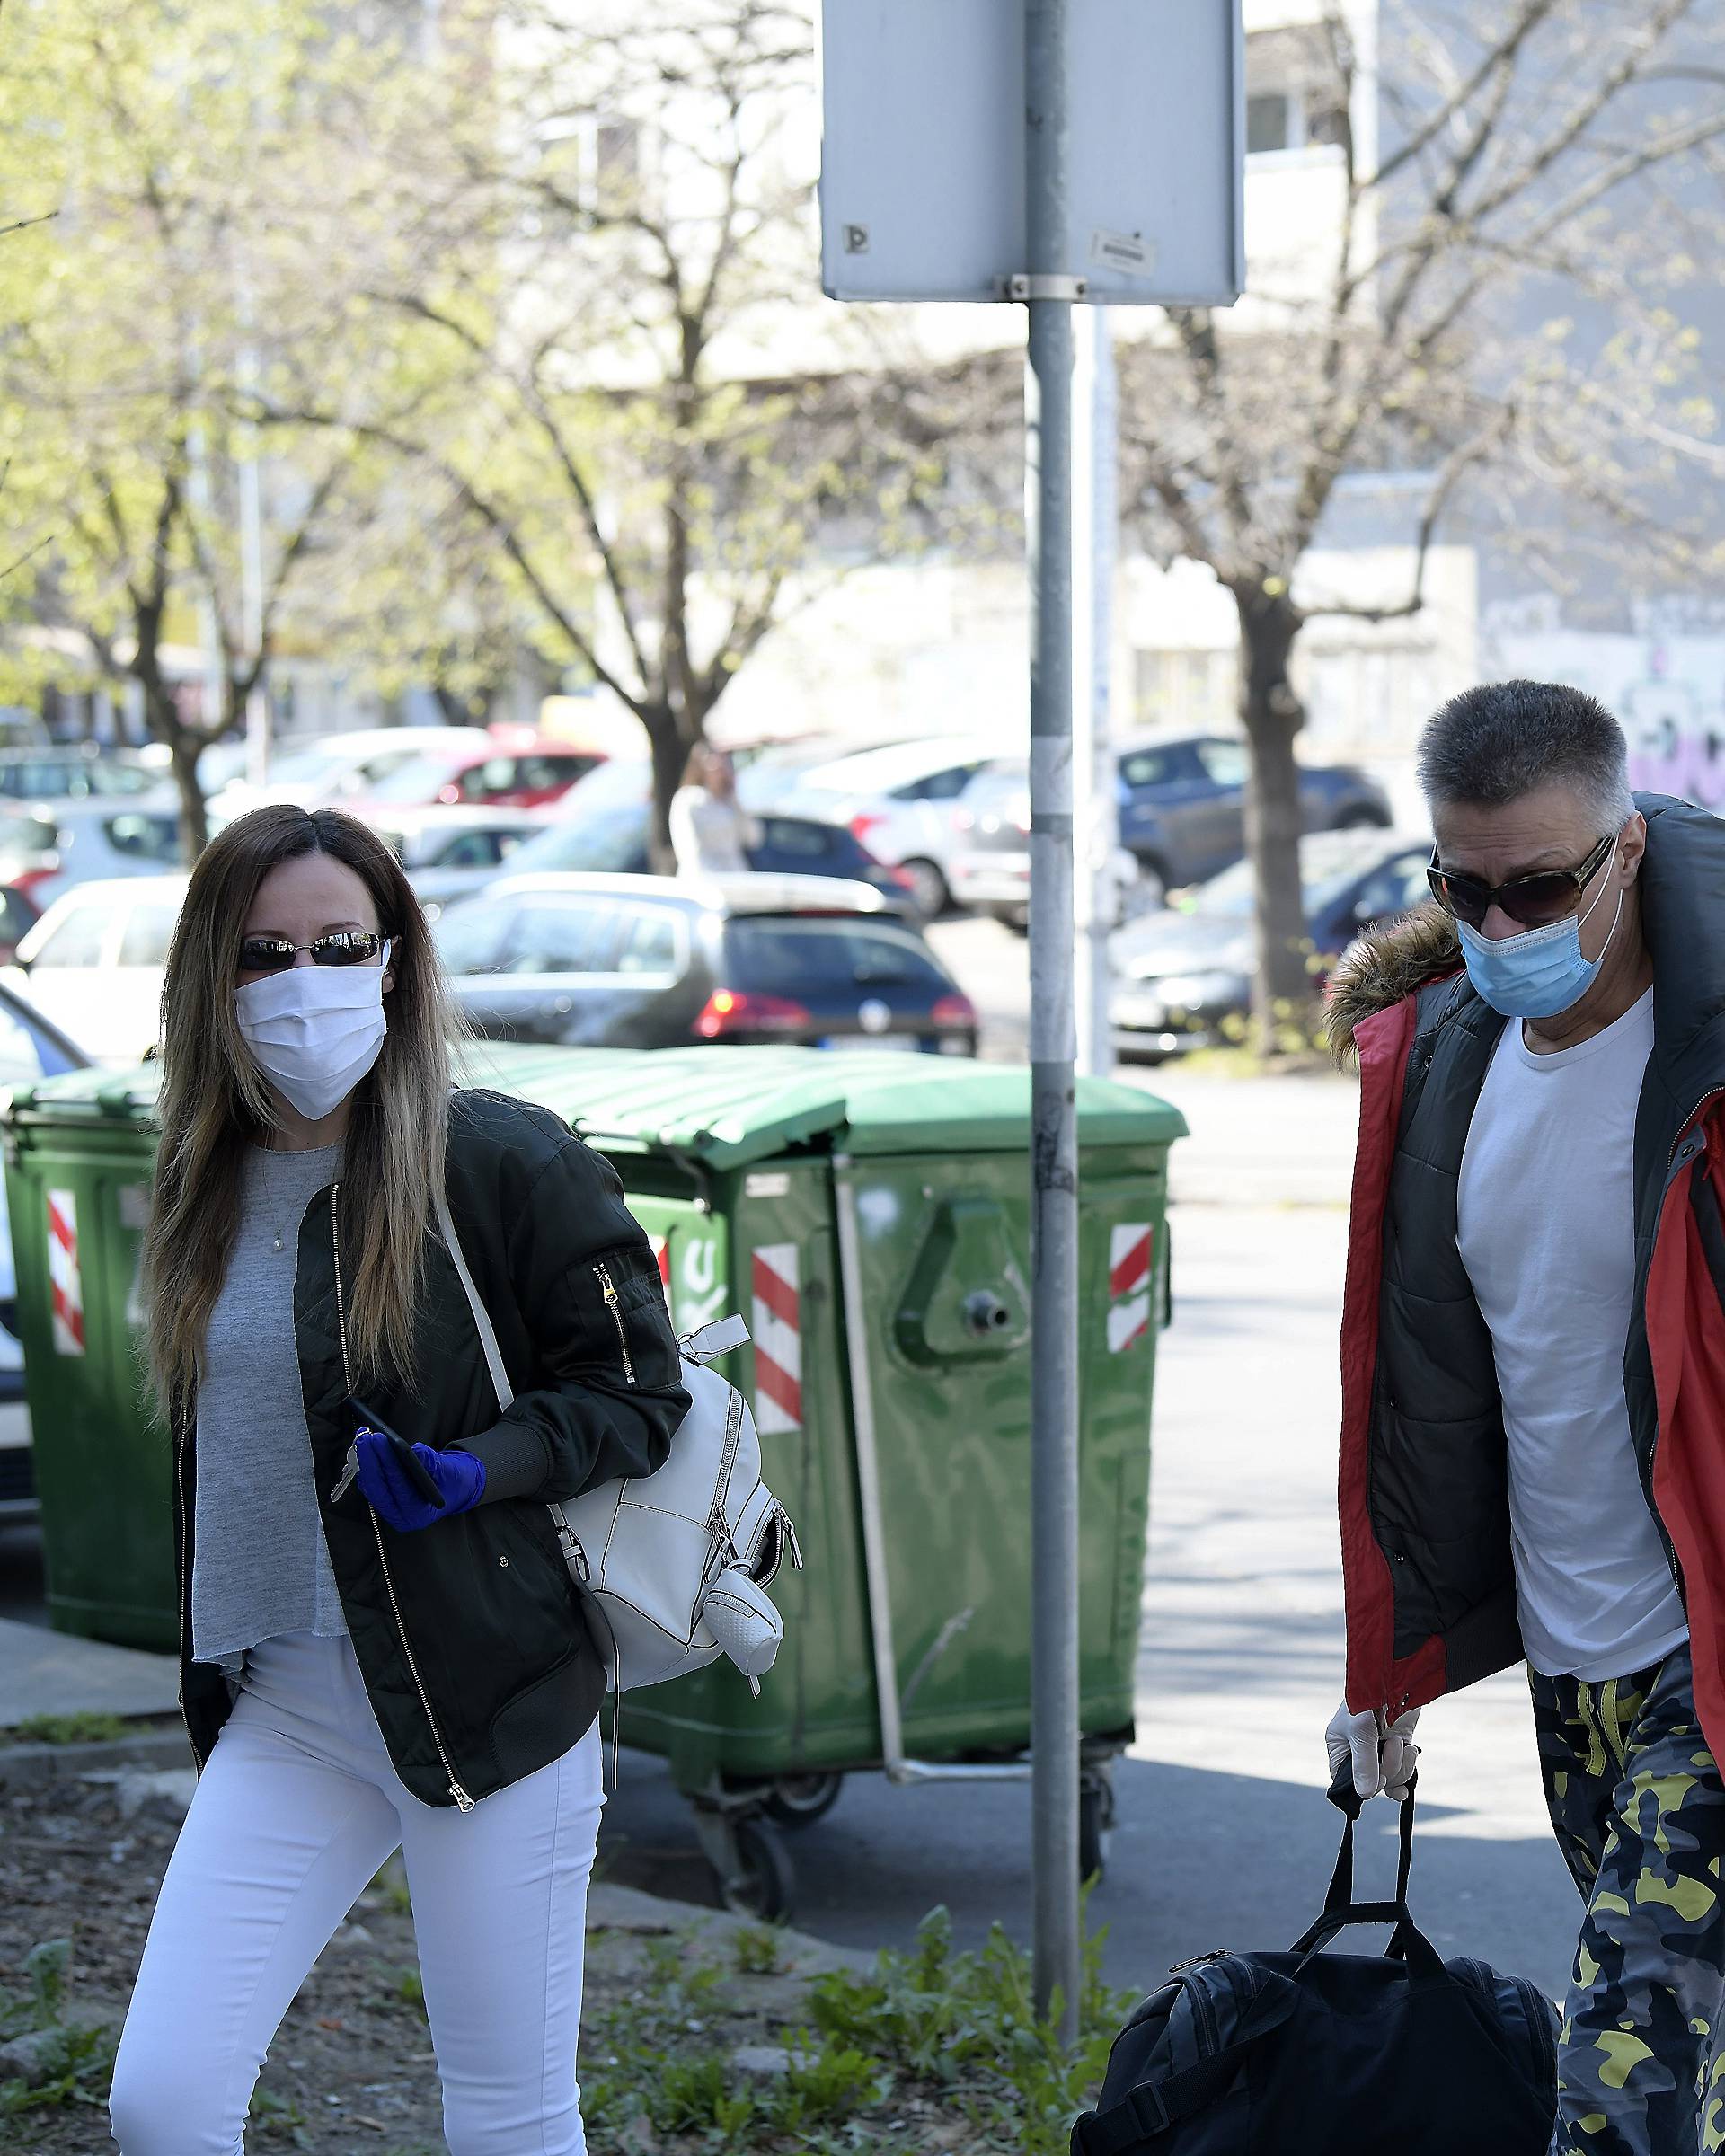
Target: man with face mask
[1532, 1453]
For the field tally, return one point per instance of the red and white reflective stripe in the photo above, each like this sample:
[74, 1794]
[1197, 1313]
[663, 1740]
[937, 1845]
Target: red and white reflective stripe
[778, 1339]
[66, 1281]
[662, 1256]
[1130, 1251]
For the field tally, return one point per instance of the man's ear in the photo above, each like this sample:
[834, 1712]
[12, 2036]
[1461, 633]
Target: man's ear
[1632, 846]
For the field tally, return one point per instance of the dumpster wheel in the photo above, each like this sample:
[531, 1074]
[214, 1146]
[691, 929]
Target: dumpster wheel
[798, 1800]
[1096, 1817]
[751, 1865]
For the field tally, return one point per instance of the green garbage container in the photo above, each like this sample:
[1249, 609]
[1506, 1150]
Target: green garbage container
[868, 1215]
[79, 1154]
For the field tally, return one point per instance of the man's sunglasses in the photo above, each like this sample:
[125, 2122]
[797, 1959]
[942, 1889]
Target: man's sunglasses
[340, 946]
[1535, 900]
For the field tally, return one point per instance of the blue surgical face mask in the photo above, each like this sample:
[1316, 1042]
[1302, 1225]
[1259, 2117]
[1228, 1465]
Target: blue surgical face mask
[1538, 974]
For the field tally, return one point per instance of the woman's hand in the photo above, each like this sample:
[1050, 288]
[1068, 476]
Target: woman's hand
[409, 1486]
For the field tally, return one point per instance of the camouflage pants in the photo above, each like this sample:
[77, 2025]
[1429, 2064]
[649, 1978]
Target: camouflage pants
[1639, 1807]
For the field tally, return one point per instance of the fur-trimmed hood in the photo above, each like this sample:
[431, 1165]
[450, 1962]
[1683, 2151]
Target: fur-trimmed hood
[1385, 966]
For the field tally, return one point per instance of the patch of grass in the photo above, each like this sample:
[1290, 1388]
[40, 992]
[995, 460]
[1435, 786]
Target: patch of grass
[277, 2117]
[69, 1729]
[78, 2063]
[759, 1949]
[928, 2034]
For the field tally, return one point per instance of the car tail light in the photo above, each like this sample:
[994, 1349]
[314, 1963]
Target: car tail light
[26, 879]
[954, 1010]
[731, 1011]
[905, 883]
[861, 827]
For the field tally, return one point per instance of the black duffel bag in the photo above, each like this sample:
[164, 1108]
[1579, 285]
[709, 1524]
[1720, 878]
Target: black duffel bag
[1308, 2054]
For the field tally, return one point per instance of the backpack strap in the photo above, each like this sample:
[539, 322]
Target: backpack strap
[1153, 2107]
[481, 1316]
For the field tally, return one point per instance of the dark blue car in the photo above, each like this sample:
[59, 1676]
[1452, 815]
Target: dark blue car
[1182, 805]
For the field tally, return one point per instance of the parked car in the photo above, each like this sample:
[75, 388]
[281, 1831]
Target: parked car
[612, 837]
[1183, 978]
[93, 963]
[989, 866]
[1182, 805]
[46, 850]
[30, 1048]
[456, 849]
[523, 772]
[332, 770]
[73, 773]
[897, 800]
[651, 962]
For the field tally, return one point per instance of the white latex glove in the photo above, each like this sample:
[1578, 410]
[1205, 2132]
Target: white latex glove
[1382, 1752]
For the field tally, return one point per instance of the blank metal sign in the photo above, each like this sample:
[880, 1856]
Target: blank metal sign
[922, 166]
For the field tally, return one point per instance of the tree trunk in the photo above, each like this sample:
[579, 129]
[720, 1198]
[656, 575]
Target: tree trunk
[1272, 715]
[182, 748]
[670, 754]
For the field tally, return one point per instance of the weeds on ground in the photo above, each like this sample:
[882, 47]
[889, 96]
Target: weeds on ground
[69, 1729]
[77, 2063]
[923, 2036]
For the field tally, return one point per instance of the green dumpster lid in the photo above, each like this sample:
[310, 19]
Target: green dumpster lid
[98, 1093]
[728, 1106]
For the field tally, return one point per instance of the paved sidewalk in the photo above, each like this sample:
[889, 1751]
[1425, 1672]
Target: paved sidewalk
[52, 1672]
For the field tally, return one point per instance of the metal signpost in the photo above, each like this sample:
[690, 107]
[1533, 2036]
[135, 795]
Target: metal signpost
[1078, 150]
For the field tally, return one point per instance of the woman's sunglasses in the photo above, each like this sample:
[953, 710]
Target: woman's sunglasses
[340, 946]
[1535, 900]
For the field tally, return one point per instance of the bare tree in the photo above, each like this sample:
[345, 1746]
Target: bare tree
[598, 343]
[131, 321]
[1527, 147]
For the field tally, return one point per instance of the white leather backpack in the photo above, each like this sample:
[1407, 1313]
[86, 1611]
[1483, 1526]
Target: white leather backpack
[678, 1561]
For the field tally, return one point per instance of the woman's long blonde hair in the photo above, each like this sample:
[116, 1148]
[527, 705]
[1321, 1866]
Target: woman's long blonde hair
[214, 1101]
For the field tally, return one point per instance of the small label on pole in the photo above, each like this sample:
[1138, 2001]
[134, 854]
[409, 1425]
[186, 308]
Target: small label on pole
[1124, 250]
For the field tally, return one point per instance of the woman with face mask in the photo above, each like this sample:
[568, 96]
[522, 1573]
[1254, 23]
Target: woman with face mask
[380, 1644]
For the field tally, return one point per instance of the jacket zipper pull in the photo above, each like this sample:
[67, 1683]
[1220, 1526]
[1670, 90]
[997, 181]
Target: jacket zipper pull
[609, 1292]
[463, 1800]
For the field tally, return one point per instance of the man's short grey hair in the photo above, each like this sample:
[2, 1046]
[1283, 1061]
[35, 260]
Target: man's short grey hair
[1490, 746]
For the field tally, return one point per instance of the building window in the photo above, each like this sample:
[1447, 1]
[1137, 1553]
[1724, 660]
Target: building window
[595, 163]
[1191, 691]
[1295, 97]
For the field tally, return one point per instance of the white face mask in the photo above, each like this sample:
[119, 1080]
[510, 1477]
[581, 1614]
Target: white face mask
[315, 1030]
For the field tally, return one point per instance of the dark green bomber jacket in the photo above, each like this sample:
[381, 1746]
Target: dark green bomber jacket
[472, 1640]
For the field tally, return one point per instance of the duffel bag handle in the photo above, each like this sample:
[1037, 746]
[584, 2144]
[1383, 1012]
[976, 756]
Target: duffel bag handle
[1407, 1943]
[1348, 1801]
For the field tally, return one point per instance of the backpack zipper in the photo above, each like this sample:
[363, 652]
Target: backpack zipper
[463, 1800]
[603, 1274]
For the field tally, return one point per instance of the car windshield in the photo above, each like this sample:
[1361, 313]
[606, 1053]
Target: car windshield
[605, 844]
[418, 779]
[877, 769]
[1330, 860]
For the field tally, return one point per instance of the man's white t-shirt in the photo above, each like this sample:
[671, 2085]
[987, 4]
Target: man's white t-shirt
[1547, 1235]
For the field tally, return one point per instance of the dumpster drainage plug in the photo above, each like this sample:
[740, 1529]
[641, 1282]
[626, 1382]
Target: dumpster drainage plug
[984, 1312]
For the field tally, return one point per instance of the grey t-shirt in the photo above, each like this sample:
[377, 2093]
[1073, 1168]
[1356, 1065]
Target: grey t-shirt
[261, 1565]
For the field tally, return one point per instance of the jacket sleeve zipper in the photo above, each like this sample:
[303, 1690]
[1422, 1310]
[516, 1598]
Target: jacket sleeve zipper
[463, 1801]
[603, 1275]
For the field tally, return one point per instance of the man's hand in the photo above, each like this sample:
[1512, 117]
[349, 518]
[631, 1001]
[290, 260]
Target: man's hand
[1381, 1753]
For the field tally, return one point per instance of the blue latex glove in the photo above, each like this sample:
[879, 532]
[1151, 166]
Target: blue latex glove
[409, 1485]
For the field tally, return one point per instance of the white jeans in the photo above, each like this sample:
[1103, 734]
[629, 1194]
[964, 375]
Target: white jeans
[295, 1809]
